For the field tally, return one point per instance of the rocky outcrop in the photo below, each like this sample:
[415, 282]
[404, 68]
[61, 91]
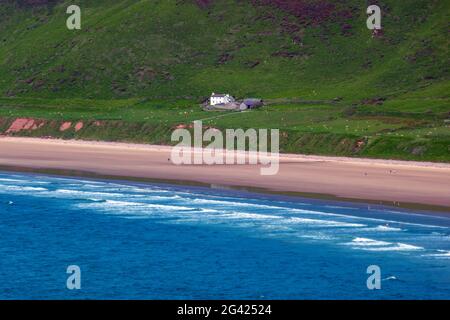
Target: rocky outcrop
[24, 124]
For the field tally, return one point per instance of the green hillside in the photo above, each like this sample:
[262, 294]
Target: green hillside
[331, 86]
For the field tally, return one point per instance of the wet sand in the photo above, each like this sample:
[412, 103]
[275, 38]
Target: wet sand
[394, 182]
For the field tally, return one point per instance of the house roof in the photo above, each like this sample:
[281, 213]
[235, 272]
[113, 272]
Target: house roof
[218, 95]
[252, 101]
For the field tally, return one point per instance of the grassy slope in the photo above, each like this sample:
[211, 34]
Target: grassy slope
[152, 62]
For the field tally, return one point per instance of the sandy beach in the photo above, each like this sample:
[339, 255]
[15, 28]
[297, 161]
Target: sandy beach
[394, 182]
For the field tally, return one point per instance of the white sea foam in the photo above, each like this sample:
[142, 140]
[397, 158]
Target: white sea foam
[349, 216]
[276, 227]
[278, 210]
[386, 228]
[245, 215]
[396, 247]
[10, 180]
[135, 207]
[236, 204]
[88, 194]
[325, 223]
[383, 228]
[383, 221]
[145, 190]
[89, 186]
[366, 242]
[282, 204]
[389, 278]
[20, 188]
[440, 254]
[129, 217]
[375, 245]
[317, 236]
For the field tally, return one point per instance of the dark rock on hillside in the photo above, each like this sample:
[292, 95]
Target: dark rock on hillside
[225, 58]
[374, 101]
[286, 54]
[252, 64]
[203, 3]
[145, 74]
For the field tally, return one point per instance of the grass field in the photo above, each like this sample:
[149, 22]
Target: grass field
[143, 67]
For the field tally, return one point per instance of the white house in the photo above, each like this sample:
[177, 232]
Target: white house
[217, 98]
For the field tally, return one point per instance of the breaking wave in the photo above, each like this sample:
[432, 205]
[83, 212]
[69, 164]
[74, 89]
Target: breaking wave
[376, 245]
[329, 223]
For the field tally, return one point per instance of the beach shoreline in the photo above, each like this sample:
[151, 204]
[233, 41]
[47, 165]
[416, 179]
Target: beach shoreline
[387, 182]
